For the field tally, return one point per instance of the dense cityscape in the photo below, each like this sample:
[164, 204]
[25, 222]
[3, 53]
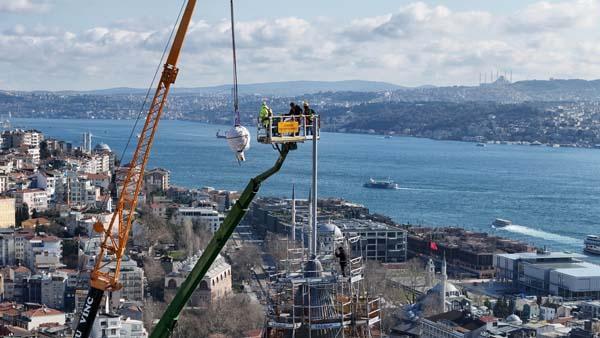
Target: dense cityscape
[53, 192]
[299, 169]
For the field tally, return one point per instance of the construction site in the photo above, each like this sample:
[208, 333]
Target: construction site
[318, 293]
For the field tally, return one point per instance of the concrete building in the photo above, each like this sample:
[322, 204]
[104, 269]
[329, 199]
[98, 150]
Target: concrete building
[53, 291]
[114, 326]
[379, 241]
[18, 137]
[132, 279]
[32, 319]
[550, 273]
[7, 212]
[43, 253]
[47, 180]
[206, 216]
[7, 248]
[81, 191]
[4, 182]
[216, 283]
[157, 179]
[34, 198]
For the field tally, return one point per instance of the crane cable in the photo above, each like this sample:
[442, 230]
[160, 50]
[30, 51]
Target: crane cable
[143, 106]
[235, 78]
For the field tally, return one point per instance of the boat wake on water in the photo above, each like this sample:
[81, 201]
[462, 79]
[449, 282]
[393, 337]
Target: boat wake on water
[523, 230]
[443, 190]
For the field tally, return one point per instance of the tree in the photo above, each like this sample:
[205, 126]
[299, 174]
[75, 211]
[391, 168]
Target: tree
[243, 260]
[511, 306]
[70, 253]
[44, 152]
[155, 228]
[487, 303]
[154, 271]
[501, 309]
[21, 214]
[276, 246]
[526, 313]
[229, 317]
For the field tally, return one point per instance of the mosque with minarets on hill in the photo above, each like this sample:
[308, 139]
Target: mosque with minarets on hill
[443, 296]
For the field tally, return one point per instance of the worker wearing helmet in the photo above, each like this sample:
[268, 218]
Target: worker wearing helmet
[309, 114]
[264, 114]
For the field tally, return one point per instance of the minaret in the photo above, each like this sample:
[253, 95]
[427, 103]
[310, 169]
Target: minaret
[444, 281]
[430, 274]
[293, 213]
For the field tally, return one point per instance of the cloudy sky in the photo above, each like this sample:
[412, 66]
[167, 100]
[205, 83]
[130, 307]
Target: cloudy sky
[75, 44]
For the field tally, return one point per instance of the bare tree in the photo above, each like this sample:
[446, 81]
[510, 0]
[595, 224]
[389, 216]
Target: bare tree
[155, 273]
[230, 317]
[155, 229]
[153, 310]
[276, 246]
[243, 259]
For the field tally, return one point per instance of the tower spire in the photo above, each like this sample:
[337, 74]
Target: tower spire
[293, 213]
[444, 281]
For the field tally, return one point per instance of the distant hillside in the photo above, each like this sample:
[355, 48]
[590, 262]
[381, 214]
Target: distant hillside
[287, 88]
[505, 92]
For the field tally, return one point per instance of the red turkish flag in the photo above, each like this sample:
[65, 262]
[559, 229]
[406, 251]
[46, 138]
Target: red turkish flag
[433, 246]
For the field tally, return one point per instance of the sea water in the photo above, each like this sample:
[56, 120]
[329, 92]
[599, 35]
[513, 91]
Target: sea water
[552, 194]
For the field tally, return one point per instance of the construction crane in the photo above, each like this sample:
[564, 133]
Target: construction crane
[114, 241]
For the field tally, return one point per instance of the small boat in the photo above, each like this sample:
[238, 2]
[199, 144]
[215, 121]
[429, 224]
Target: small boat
[381, 184]
[501, 223]
[219, 135]
[387, 136]
[481, 144]
[592, 244]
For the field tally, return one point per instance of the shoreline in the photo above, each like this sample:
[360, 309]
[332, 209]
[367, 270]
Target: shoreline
[533, 143]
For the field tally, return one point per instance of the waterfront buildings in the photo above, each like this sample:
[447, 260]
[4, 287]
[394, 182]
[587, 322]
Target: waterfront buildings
[562, 274]
[378, 241]
[157, 179]
[468, 253]
[380, 238]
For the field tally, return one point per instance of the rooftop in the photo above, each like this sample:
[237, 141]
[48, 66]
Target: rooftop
[545, 255]
[463, 321]
[43, 311]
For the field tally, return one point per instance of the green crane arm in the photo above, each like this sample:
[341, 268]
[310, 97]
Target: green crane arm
[169, 318]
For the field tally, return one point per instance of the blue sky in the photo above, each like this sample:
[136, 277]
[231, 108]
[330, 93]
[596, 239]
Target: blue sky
[68, 44]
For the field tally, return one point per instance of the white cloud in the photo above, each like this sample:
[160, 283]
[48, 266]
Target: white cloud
[546, 16]
[417, 44]
[21, 6]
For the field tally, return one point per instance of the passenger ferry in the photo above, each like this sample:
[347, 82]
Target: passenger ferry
[381, 184]
[501, 223]
[592, 244]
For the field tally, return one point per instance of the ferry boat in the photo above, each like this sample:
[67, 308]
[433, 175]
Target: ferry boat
[501, 223]
[592, 244]
[381, 184]
[219, 135]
